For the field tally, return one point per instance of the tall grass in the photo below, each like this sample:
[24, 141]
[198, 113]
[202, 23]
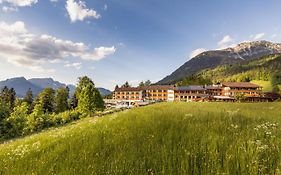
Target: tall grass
[167, 138]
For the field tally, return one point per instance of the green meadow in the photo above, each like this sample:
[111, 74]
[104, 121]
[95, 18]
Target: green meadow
[164, 138]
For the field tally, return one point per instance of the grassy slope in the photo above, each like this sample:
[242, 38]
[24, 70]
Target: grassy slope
[168, 138]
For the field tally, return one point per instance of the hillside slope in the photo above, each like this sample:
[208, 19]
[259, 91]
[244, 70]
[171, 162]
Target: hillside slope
[265, 71]
[166, 138]
[231, 56]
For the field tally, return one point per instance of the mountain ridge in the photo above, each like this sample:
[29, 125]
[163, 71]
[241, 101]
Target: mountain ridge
[21, 85]
[265, 71]
[233, 55]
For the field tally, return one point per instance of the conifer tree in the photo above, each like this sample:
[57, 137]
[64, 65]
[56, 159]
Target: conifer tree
[4, 113]
[8, 96]
[61, 98]
[46, 99]
[12, 98]
[126, 84]
[98, 101]
[147, 83]
[28, 98]
[141, 84]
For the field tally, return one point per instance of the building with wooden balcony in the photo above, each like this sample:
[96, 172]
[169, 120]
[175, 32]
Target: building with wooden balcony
[128, 94]
[190, 93]
[232, 89]
[158, 92]
[214, 90]
[220, 92]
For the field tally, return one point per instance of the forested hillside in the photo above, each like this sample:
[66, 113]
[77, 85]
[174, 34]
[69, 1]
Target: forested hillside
[266, 70]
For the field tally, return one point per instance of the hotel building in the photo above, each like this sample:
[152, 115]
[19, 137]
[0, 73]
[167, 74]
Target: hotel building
[220, 92]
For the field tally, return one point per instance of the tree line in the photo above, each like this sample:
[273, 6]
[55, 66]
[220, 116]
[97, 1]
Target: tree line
[141, 84]
[49, 108]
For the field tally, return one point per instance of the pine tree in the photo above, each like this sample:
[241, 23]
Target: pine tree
[12, 98]
[4, 113]
[28, 98]
[126, 84]
[8, 96]
[141, 84]
[61, 98]
[5, 97]
[98, 101]
[46, 99]
[73, 102]
[147, 83]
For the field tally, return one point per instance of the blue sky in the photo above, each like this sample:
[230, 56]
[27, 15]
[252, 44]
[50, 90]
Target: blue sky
[114, 41]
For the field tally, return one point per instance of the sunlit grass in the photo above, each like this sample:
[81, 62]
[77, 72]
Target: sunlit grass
[167, 138]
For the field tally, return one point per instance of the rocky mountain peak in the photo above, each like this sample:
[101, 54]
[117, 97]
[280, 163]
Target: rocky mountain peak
[256, 45]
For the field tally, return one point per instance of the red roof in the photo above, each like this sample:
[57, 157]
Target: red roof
[128, 89]
[158, 87]
[152, 87]
[240, 85]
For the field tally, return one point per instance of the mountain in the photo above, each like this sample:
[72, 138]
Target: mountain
[21, 85]
[264, 71]
[231, 56]
[46, 82]
[104, 91]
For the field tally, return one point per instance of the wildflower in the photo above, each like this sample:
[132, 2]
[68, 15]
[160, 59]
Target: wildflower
[188, 115]
[234, 126]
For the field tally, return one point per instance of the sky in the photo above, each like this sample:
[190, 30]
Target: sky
[126, 40]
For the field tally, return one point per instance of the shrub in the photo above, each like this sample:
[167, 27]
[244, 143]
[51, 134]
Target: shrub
[65, 117]
[38, 120]
[17, 121]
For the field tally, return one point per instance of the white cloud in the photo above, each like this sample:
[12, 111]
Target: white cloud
[20, 3]
[257, 36]
[74, 65]
[79, 11]
[99, 53]
[22, 48]
[227, 41]
[54, 0]
[7, 9]
[197, 52]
